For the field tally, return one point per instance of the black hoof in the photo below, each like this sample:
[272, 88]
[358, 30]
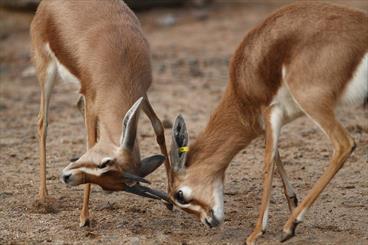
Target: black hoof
[86, 223]
[287, 235]
[294, 200]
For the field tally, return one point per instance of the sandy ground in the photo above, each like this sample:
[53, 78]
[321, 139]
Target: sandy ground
[190, 72]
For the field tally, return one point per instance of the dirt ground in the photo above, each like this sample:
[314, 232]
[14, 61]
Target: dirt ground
[190, 62]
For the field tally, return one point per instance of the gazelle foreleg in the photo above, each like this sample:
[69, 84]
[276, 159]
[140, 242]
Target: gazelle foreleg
[288, 189]
[273, 118]
[159, 130]
[47, 78]
[91, 125]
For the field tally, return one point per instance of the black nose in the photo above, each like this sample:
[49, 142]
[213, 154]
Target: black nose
[211, 220]
[209, 224]
[66, 178]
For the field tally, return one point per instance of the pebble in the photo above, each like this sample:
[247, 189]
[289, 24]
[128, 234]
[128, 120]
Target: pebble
[167, 20]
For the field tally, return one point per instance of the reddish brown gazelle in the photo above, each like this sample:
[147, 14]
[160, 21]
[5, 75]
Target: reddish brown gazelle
[100, 46]
[304, 59]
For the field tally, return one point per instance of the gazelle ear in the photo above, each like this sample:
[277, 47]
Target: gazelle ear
[179, 144]
[150, 164]
[130, 121]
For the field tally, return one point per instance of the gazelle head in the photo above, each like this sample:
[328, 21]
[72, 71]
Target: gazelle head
[121, 170]
[195, 188]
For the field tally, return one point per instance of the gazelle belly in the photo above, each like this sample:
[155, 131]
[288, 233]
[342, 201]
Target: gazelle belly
[286, 103]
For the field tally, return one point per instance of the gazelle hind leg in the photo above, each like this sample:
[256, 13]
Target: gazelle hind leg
[273, 118]
[91, 125]
[288, 189]
[47, 79]
[160, 137]
[343, 146]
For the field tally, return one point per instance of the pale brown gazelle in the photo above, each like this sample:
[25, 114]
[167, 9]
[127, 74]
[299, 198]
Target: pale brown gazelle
[98, 45]
[304, 59]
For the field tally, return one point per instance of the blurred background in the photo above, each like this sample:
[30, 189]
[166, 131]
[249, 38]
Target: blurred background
[191, 43]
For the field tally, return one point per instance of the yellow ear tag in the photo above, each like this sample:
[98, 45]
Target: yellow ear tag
[184, 149]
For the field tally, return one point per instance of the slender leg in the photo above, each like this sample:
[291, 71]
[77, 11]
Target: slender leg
[47, 81]
[343, 145]
[91, 125]
[273, 117]
[159, 130]
[288, 189]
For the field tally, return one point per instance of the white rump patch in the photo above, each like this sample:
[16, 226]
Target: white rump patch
[357, 88]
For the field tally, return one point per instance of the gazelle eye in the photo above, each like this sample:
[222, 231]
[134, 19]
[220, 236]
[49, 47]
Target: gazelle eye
[105, 163]
[179, 196]
[102, 165]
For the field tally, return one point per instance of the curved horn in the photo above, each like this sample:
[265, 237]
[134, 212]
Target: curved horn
[150, 164]
[145, 191]
[133, 177]
[130, 121]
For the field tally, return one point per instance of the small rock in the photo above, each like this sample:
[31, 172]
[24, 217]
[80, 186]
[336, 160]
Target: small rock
[167, 20]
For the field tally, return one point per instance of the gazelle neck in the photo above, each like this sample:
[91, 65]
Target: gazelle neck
[110, 128]
[231, 127]
[110, 125]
